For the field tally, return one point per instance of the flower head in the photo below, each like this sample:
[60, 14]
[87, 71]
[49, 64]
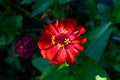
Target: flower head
[25, 47]
[61, 41]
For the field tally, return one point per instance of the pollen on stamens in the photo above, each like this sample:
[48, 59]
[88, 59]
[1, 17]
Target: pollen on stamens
[67, 41]
[60, 46]
[21, 47]
[64, 31]
[53, 40]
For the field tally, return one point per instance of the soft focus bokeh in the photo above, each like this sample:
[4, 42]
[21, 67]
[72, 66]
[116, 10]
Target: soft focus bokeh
[23, 21]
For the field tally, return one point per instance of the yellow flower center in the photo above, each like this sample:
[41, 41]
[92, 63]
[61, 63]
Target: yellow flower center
[53, 40]
[60, 46]
[21, 47]
[67, 41]
[64, 31]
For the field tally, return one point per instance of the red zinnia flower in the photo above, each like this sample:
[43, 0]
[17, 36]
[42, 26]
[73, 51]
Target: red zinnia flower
[61, 41]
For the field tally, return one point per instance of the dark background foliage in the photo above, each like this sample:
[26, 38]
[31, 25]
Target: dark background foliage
[99, 61]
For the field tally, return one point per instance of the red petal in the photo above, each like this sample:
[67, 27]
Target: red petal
[52, 29]
[73, 36]
[79, 47]
[59, 25]
[45, 40]
[79, 40]
[54, 62]
[50, 53]
[70, 25]
[83, 39]
[73, 51]
[70, 58]
[61, 56]
[43, 53]
[79, 30]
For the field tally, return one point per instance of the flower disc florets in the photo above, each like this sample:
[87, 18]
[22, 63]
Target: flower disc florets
[61, 41]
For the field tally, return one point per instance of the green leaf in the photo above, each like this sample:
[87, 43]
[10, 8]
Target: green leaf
[116, 15]
[96, 48]
[57, 75]
[117, 67]
[118, 58]
[2, 40]
[87, 69]
[116, 11]
[19, 19]
[27, 1]
[57, 72]
[39, 7]
[69, 77]
[41, 64]
[116, 64]
[49, 70]
[64, 1]
[98, 32]
[9, 60]
[17, 64]
[116, 3]
[10, 39]
[93, 10]
[11, 24]
[103, 10]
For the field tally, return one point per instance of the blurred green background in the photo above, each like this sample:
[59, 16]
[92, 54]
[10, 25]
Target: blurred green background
[99, 61]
